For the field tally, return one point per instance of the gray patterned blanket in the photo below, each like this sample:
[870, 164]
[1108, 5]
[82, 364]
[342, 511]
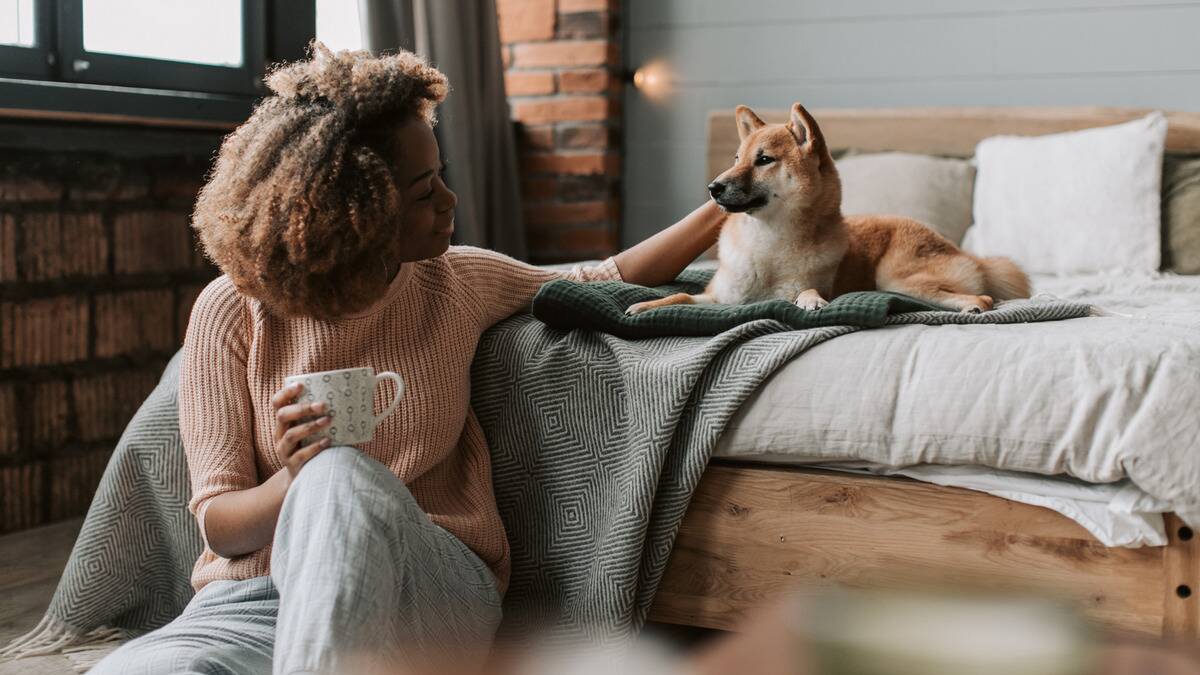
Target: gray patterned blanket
[598, 443]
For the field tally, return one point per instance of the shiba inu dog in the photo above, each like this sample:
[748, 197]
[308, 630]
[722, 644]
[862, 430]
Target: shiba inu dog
[786, 236]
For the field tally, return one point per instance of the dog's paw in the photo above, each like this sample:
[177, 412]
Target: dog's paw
[811, 305]
[810, 301]
[979, 305]
[638, 308]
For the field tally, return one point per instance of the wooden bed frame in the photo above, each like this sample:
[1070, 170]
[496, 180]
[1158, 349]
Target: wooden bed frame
[753, 532]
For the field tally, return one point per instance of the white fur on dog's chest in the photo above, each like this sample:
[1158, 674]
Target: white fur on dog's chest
[762, 262]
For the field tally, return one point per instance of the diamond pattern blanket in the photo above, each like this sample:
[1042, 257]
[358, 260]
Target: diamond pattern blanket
[598, 442]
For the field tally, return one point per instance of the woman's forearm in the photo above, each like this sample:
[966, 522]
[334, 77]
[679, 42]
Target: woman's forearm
[659, 259]
[242, 522]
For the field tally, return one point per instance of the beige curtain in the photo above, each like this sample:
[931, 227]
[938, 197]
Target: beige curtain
[462, 38]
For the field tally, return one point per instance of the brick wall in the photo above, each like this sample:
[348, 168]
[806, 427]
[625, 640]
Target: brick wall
[97, 276]
[563, 78]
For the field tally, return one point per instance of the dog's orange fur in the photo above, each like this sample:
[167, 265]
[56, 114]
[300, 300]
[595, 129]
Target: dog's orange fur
[788, 237]
[900, 254]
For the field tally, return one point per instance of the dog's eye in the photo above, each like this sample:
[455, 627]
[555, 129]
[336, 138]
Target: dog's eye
[763, 160]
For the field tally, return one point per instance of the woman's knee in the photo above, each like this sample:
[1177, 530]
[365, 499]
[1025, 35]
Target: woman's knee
[339, 456]
[342, 466]
[350, 476]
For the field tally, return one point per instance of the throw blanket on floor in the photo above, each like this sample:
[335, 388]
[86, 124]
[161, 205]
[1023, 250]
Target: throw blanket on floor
[598, 443]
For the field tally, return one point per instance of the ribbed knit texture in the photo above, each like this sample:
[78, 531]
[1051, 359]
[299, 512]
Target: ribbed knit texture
[426, 328]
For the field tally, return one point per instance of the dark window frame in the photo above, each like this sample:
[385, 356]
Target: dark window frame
[36, 61]
[39, 82]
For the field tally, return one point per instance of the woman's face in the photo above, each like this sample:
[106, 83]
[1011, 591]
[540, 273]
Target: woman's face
[426, 204]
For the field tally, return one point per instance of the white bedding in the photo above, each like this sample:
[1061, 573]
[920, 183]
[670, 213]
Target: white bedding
[1013, 410]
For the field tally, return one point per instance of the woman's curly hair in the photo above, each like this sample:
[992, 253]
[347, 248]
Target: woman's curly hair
[302, 203]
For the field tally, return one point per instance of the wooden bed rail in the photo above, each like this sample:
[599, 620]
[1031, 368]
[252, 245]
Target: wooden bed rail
[754, 532]
[1181, 570]
[942, 131]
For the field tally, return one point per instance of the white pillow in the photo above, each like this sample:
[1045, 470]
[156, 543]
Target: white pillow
[1082, 201]
[933, 190]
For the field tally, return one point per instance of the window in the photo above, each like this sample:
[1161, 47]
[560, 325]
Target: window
[161, 60]
[16, 23]
[214, 46]
[337, 24]
[24, 38]
[209, 34]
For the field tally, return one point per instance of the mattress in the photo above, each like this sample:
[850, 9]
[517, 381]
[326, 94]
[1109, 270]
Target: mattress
[1096, 418]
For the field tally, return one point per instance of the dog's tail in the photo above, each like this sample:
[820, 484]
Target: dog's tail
[1003, 279]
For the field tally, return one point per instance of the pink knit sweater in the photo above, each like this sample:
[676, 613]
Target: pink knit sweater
[425, 328]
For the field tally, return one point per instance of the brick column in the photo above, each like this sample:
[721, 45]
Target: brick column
[563, 66]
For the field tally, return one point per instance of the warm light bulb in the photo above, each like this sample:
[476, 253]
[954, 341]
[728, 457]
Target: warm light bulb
[653, 80]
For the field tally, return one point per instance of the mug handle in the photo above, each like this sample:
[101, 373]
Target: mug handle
[389, 375]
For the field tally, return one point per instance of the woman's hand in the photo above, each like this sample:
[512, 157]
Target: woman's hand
[289, 434]
[659, 259]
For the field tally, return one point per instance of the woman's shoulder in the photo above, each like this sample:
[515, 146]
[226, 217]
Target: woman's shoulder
[463, 264]
[471, 261]
[221, 294]
[474, 254]
[220, 306]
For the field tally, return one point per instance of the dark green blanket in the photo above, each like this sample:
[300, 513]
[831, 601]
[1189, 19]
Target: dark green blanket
[601, 307]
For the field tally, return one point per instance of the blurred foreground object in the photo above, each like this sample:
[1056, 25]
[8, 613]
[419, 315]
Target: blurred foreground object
[898, 633]
[837, 632]
[859, 632]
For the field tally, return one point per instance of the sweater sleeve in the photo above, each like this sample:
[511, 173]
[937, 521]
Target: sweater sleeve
[500, 286]
[215, 411]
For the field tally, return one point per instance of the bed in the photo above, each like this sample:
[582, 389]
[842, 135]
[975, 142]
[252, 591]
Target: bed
[770, 516]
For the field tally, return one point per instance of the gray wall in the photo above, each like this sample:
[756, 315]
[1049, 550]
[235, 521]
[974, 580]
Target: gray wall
[880, 53]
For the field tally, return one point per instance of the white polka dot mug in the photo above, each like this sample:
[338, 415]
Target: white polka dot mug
[350, 394]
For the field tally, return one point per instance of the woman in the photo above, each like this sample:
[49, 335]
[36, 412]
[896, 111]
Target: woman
[328, 215]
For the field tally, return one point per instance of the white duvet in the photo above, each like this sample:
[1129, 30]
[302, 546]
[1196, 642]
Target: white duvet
[1039, 413]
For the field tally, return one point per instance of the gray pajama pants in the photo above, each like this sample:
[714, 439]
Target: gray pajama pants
[361, 580]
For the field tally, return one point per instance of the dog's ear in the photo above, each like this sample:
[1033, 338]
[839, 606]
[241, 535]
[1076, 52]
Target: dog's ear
[747, 122]
[805, 129]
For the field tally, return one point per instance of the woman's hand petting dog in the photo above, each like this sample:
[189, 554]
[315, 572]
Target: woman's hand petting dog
[290, 431]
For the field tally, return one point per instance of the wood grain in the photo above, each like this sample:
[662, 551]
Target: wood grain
[752, 533]
[1181, 562]
[944, 131]
[31, 563]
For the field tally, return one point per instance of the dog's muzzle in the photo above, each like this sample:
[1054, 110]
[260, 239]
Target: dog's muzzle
[734, 201]
[742, 206]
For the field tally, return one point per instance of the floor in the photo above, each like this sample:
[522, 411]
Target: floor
[30, 564]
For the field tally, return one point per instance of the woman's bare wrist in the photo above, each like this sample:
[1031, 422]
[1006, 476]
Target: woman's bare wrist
[282, 483]
[244, 521]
